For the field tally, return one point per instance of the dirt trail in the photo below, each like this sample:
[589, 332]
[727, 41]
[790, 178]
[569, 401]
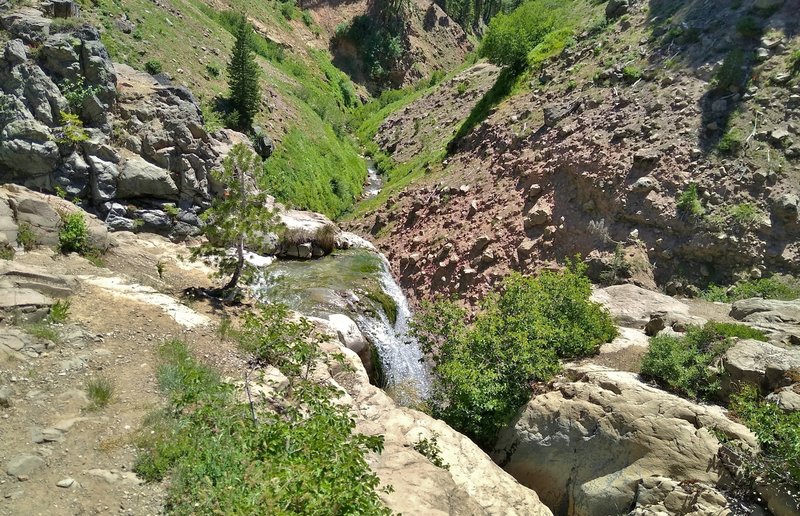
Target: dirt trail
[50, 434]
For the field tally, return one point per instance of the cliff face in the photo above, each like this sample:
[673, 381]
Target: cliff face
[598, 152]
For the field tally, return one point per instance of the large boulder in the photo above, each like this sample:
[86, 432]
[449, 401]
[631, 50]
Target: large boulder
[138, 178]
[589, 445]
[762, 365]
[779, 319]
[27, 148]
[634, 307]
[27, 24]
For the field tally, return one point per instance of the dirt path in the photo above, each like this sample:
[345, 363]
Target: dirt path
[49, 435]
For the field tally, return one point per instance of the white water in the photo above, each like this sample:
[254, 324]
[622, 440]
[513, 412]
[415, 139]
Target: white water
[400, 353]
[374, 181]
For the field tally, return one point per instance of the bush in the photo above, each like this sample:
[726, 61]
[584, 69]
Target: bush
[153, 67]
[688, 203]
[745, 213]
[684, 364]
[748, 27]
[26, 237]
[794, 62]
[59, 311]
[71, 131]
[767, 288]
[73, 236]
[631, 73]
[510, 37]
[6, 252]
[731, 142]
[731, 73]
[778, 434]
[294, 452]
[76, 92]
[483, 372]
[213, 70]
[429, 448]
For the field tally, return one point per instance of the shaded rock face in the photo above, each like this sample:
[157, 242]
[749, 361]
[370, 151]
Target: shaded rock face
[589, 446]
[146, 146]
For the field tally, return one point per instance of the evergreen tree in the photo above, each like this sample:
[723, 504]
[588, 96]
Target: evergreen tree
[237, 218]
[243, 73]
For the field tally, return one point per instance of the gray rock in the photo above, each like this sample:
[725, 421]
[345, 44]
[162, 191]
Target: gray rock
[786, 207]
[15, 52]
[23, 465]
[65, 483]
[27, 24]
[616, 8]
[104, 179]
[26, 147]
[262, 144]
[787, 398]
[139, 178]
[633, 306]
[99, 70]
[538, 216]
[645, 184]
[759, 364]
[59, 56]
[5, 396]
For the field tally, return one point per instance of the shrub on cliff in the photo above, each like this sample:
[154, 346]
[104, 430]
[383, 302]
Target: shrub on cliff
[483, 371]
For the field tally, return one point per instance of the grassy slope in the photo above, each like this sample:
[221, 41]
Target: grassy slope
[308, 96]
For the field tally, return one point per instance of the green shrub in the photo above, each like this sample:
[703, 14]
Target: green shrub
[684, 364]
[153, 67]
[631, 73]
[292, 453]
[511, 37]
[688, 203]
[794, 62]
[731, 142]
[483, 371]
[551, 45]
[76, 92]
[767, 288]
[71, 131]
[429, 448]
[26, 237]
[778, 434]
[59, 311]
[73, 237]
[731, 73]
[740, 331]
[6, 252]
[745, 213]
[749, 27]
[308, 20]
[213, 70]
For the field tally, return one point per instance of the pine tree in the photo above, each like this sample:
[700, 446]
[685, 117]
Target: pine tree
[237, 218]
[243, 73]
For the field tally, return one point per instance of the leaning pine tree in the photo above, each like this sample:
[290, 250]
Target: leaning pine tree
[238, 217]
[243, 73]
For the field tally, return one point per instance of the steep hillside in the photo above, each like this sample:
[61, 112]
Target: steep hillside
[662, 143]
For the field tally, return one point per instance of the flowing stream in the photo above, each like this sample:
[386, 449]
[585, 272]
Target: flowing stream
[341, 284]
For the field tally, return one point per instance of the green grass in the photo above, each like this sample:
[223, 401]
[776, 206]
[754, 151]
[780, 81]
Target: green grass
[767, 288]
[731, 142]
[100, 391]
[42, 330]
[59, 311]
[688, 203]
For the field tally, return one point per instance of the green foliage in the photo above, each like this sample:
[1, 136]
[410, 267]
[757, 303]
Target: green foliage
[497, 93]
[73, 237]
[777, 432]
[767, 288]
[386, 302]
[42, 330]
[243, 73]
[731, 142]
[213, 70]
[26, 237]
[430, 449]
[213, 120]
[100, 390]
[745, 213]
[470, 14]
[631, 73]
[550, 46]
[308, 20]
[483, 371]
[794, 62]
[749, 27]
[731, 73]
[619, 268]
[76, 92]
[71, 131]
[153, 67]
[288, 453]
[59, 311]
[6, 252]
[686, 364]
[288, 9]
[302, 169]
[740, 331]
[380, 45]
[688, 203]
[511, 37]
[236, 218]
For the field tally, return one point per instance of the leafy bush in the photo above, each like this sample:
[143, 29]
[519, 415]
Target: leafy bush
[510, 37]
[71, 131]
[631, 73]
[380, 45]
[308, 20]
[294, 452]
[6, 252]
[749, 27]
[213, 70]
[684, 364]
[73, 237]
[767, 288]
[26, 237]
[731, 142]
[153, 67]
[430, 449]
[551, 45]
[76, 92]
[59, 311]
[777, 432]
[688, 203]
[731, 73]
[483, 371]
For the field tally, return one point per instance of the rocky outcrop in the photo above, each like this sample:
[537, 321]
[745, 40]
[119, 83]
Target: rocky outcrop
[761, 365]
[779, 319]
[606, 442]
[634, 307]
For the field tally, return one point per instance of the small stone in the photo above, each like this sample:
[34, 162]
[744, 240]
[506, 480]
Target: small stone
[534, 190]
[5, 396]
[755, 273]
[65, 483]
